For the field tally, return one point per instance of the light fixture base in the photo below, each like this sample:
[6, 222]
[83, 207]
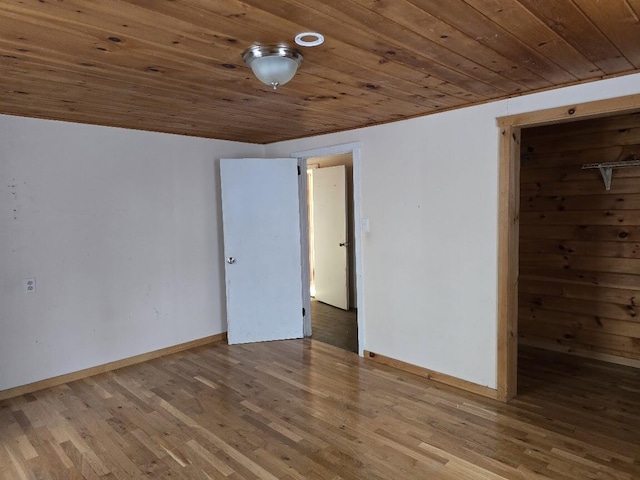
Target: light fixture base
[274, 65]
[309, 39]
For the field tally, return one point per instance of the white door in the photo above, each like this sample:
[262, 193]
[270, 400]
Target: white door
[330, 236]
[261, 224]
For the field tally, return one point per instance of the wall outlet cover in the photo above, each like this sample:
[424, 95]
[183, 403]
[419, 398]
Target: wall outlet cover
[29, 285]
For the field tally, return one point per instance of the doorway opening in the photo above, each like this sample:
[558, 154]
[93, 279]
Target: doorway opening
[573, 291]
[332, 286]
[579, 253]
[332, 279]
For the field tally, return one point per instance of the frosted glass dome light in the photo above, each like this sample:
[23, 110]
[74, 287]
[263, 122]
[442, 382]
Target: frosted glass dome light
[274, 65]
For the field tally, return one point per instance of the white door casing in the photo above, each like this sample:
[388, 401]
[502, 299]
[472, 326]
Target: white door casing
[355, 150]
[261, 225]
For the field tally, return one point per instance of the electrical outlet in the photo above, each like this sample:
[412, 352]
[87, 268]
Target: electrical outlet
[29, 285]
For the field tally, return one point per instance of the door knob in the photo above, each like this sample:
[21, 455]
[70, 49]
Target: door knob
[345, 244]
[231, 260]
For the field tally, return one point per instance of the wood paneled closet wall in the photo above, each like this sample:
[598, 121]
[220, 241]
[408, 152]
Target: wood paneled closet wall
[579, 284]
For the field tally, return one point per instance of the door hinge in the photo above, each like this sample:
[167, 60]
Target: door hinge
[298, 169]
[304, 312]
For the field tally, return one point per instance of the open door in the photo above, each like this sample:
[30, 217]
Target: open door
[261, 224]
[330, 240]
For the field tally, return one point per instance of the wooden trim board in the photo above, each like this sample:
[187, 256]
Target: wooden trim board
[568, 113]
[508, 221]
[107, 367]
[433, 375]
[508, 238]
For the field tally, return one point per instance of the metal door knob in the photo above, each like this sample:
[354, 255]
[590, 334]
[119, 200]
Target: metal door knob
[231, 260]
[345, 244]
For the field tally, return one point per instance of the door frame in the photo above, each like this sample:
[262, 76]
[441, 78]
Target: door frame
[302, 156]
[508, 219]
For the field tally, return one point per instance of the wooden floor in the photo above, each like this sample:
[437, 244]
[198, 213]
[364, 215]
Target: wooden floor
[334, 326]
[303, 409]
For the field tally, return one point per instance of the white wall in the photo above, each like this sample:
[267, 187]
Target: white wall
[121, 230]
[430, 190]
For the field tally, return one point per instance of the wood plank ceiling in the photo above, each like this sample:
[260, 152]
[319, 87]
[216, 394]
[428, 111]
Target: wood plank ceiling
[175, 66]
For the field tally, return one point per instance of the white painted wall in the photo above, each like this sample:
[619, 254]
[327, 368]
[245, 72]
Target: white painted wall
[121, 230]
[430, 190]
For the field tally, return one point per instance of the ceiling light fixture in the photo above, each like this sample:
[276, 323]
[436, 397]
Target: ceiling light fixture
[274, 65]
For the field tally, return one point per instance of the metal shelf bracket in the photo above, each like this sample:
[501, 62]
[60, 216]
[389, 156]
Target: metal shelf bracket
[606, 168]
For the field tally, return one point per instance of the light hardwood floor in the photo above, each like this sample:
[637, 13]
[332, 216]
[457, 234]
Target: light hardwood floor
[304, 409]
[334, 326]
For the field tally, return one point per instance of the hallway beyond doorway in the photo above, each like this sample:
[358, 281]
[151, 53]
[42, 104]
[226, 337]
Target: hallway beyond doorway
[334, 326]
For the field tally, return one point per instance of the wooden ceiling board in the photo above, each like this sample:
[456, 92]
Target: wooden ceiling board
[176, 66]
[532, 32]
[144, 100]
[635, 6]
[394, 78]
[163, 65]
[566, 19]
[531, 68]
[390, 52]
[619, 23]
[168, 95]
[437, 57]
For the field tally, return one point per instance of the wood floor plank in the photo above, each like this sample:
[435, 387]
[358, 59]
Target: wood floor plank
[303, 409]
[334, 326]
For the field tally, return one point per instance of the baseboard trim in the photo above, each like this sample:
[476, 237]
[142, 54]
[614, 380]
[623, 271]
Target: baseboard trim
[107, 367]
[433, 375]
